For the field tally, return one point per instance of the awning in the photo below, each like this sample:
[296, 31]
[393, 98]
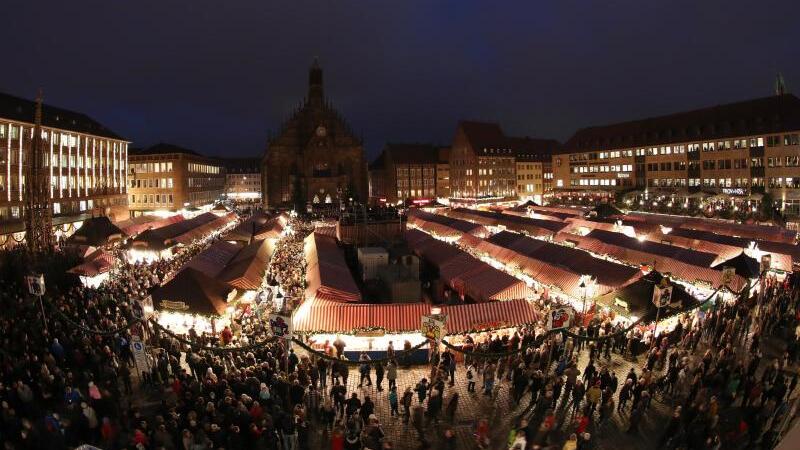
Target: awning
[96, 232]
[192, 292]
[327, 273]
[488, 316]
[96, 263]
[323, 316]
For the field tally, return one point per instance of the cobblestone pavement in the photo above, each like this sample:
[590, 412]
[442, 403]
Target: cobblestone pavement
[502, 413]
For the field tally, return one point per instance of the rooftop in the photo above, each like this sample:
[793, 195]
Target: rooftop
[772, 114]
[162, 149]
[23, 110]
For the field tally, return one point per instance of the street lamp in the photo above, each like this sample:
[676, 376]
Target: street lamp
[583, 287]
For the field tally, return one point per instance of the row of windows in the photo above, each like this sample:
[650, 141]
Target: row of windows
[152, 199]
[529, 176]
[789, 161]
[152, 167]
[602, 168]
[203, 168]
[60, 139]
[788, 139]
[593, 182]
[152, 183]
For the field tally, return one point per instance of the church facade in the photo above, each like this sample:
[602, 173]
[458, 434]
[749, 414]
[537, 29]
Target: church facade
[315, 158]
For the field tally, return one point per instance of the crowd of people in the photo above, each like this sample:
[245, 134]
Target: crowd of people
[76, 380]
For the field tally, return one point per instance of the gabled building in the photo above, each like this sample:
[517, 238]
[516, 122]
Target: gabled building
[315, 158]
[406, 172]
[482, 166]
[534, 167]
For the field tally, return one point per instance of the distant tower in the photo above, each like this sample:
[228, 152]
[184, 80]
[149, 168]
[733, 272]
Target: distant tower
[316, 95]
[38, 218]
[780, 85]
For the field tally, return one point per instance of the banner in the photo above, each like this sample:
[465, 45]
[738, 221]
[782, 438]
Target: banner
[766, 263]
[662, 296]
[139, 355]
[281, 325]
[727, 275]
[433, 326]
[559, 318]
[35, 284]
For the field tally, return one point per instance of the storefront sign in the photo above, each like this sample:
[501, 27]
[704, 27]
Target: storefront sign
[376, 332]
[734, 191]
[433, 326]
[174, 305]
[559, 318]
[281, 325]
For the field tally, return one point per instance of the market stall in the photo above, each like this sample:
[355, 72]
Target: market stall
[95, 268]
[193, 300]
[327, 274]
[361, 327]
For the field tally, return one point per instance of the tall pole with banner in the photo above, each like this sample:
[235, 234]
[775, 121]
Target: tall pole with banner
[36, 287]
[662, 296]
[433, 329]
[281, 325]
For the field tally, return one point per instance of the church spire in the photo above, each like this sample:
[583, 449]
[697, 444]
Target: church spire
[316, 95]
[780, 85]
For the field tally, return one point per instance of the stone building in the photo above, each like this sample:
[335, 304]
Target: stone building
[315, 158]
[166, 177]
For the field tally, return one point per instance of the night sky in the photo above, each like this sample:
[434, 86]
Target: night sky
[218, 76]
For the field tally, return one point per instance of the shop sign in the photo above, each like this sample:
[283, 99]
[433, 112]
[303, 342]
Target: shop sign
[174, 305]
[281, 325]
[375, 332]
[766, 262]
[734, 191]
[559, 318]
[727, 275]
[662, 296]
[433, 326]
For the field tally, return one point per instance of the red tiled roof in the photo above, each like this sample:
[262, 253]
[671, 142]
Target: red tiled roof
[488, 316]
[322, 315]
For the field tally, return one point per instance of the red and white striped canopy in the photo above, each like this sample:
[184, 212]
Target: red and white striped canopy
[488, 316]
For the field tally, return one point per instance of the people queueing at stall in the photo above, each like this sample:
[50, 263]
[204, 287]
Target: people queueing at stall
[75, 381]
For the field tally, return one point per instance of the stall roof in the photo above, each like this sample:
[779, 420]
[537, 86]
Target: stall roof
[531, 225]
[96, 232]
[792, 250]
[192, 292]
[493, 284]
[161, 238]
[319, 315]
[246, 269]
[488, 316]
[95, 263]
[608, 275]
[689, 256]
[213, 259]
[327, 274]
[639, 298]
[136, 225]
[745, 266]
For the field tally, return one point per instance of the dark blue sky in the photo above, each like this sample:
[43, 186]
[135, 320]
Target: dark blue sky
[217, 76]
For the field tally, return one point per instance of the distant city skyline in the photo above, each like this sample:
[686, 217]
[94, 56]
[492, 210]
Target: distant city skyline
[220, 80]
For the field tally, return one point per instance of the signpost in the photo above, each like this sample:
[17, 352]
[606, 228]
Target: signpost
[559, 318]
[139, 355]
[36, 287]
[727, 275]
[766, 263]
[662, 296]
[433, 327]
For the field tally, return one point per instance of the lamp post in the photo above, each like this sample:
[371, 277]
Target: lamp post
[583, 308]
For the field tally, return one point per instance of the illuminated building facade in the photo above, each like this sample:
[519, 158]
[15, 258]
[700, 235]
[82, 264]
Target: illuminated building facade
[86, 163]
[243, 179]
[406, 172]
[740, 150]
[534, 167]
[171, 178]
